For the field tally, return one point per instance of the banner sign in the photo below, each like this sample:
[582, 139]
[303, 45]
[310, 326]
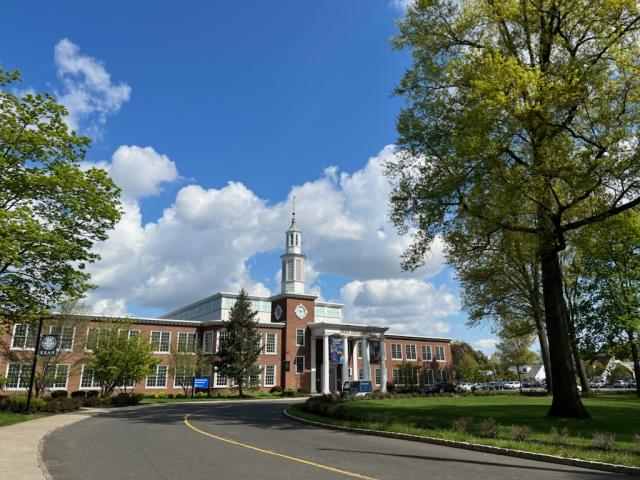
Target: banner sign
[365, 386]
[336, 350]
[49, 345]
[374, 351]
[201, 382]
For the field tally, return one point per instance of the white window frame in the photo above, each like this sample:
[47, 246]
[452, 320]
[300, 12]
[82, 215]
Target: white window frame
[217, 374]
[161, 332]
[297, 357]
[26, 337]
[25, 371]
[206, 334]
[410, 347]
[440, 348]
[393, 351]
[86, 340]
[275, 344]
[378, 376]
[94, 384]
[176, 376]
[275, 371]
[62, 327]
[194, 344]
[395, 376]
[425, 349]
[298, 332]
[156, 376]
[218, 333]
[66, 380]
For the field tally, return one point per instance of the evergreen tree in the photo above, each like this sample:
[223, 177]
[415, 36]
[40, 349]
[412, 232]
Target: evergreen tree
[240, 348]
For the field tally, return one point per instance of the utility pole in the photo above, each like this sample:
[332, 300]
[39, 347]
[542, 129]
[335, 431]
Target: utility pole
[33, 365]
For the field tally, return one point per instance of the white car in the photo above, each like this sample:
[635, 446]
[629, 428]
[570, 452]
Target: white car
[513, 385]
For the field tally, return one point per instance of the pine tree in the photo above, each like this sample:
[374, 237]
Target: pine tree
[240, 348]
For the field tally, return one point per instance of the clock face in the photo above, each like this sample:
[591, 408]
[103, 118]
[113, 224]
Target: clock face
[278, 312]
[49, 343]
[301, 311]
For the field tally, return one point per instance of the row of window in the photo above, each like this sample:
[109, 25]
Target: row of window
[399, 377]
[411, 352]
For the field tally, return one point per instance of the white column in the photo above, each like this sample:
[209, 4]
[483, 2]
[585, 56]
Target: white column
[313, 365]
[325, 364]
[345, 361]
[354, 361]
[366, 365]
[383, 365]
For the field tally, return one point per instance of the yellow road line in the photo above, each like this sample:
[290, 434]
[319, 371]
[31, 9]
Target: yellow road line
[276, 454]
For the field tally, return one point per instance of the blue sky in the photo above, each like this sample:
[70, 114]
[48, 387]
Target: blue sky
[212, 116]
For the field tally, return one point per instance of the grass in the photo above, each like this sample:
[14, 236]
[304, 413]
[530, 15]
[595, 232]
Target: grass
[247, 396]
[434, 416]
[9, 418]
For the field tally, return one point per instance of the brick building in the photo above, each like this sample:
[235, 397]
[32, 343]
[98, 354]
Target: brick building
[306, 344]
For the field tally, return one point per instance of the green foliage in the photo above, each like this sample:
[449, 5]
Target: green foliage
[119, 360]
[241, 347]
[52, 211]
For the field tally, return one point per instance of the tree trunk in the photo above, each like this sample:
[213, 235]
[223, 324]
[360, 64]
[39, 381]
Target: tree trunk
[577, 358]
[538, 316]
[636, 360]
[566, 400]
[240, 389]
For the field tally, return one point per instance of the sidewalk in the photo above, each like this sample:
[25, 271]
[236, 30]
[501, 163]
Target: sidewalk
[20, 443]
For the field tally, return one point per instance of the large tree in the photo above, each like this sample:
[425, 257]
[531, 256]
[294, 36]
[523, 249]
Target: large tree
[52, 210]
[520, 116]
[241, 345]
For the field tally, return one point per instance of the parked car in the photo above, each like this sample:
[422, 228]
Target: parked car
[513, 385]
[464, 387]
[621, 384]
[597, 384]
[440, 387]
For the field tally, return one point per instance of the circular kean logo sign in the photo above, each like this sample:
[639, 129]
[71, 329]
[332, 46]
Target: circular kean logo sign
[49, 345]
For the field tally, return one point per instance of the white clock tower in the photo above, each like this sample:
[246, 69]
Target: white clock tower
[293, 260]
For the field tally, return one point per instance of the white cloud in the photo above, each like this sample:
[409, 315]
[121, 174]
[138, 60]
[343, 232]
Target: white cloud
[487, 345]
[204, 242]
[401, 4]
[88, 93]
[405, 305]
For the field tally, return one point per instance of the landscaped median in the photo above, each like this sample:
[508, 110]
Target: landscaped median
[504, 421]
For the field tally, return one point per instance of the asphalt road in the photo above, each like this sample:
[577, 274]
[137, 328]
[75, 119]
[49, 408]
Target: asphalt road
[254, 440]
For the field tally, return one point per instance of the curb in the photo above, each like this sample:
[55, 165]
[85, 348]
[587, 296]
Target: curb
[572, 462]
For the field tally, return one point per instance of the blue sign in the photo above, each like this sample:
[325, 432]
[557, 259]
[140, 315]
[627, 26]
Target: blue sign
[336, 351]
[365, 386]
[201, 382]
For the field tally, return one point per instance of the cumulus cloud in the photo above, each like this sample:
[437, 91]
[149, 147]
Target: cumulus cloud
[405, 305]
[401, 4]
[204, 241]
[89, 94]
[487, 345]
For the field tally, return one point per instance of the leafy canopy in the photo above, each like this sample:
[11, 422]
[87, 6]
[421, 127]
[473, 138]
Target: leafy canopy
[52, 210]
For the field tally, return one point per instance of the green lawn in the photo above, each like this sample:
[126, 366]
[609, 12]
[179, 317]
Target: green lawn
[247, 396]
[434, 416]
[8, 418]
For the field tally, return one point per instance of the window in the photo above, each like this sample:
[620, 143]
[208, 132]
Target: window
[23, 336]
[429, 379]
[360, 373]
[378, 376]
[396, 351]
[93, 334]
[66, 336]
[58, 375]
[160, 342]
[411, 352]
[359, 348]
[87, 379]
[289, 265]
[18, 375]
[186, 342]
[439, 354]
[271, 343]
[221, 379]
[158, 379]
[300, 337]
[129, 333]
[300, 364]
[442, 374]
[207, 342]
[269, 376]
[396, 376]
[254, 378]
[299, 270]
[426, 353]
[222, 337]
[183, 376]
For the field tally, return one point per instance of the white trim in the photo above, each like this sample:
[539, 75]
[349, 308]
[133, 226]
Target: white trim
[422, 351]
[415, 352]
[195, 342]
[26, 336]
[86, 338]
[204, 335]
[93, 380]
[15, 389]
[393, 357]
[166, 378]
[160, 352]
[303, 337]
[215, 379]
[275, 375]
[303, 364]
[73, 336]
[66, 382]
[444, 357]
[218, 332]
[275, 344]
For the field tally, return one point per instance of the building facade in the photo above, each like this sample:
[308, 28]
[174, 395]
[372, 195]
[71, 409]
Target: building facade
[306, 345]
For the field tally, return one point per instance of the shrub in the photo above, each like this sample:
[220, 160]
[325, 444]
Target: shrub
[520, 433]
[90, 401]
[636, 440]
[559, 434]
[201, 395]
[489, 428]
[124, 399]
[59, 394]
[603, 441]
[289, 392]
[63, 404]
[170, 395]
[78, 394]
[276, 389]
[462, 424]
[93, 393]
[180, 395]
[18, 403]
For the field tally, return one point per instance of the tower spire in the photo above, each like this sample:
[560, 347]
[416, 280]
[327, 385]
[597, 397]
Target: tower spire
[293, 258]
[293, 213]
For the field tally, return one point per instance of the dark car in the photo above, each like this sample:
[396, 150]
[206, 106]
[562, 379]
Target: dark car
[440, 387]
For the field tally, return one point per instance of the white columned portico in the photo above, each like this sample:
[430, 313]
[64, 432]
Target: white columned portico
[325, 364]
[366, 364]
[345, 361]
[313, 365]
[354, 361]
[383, 365]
